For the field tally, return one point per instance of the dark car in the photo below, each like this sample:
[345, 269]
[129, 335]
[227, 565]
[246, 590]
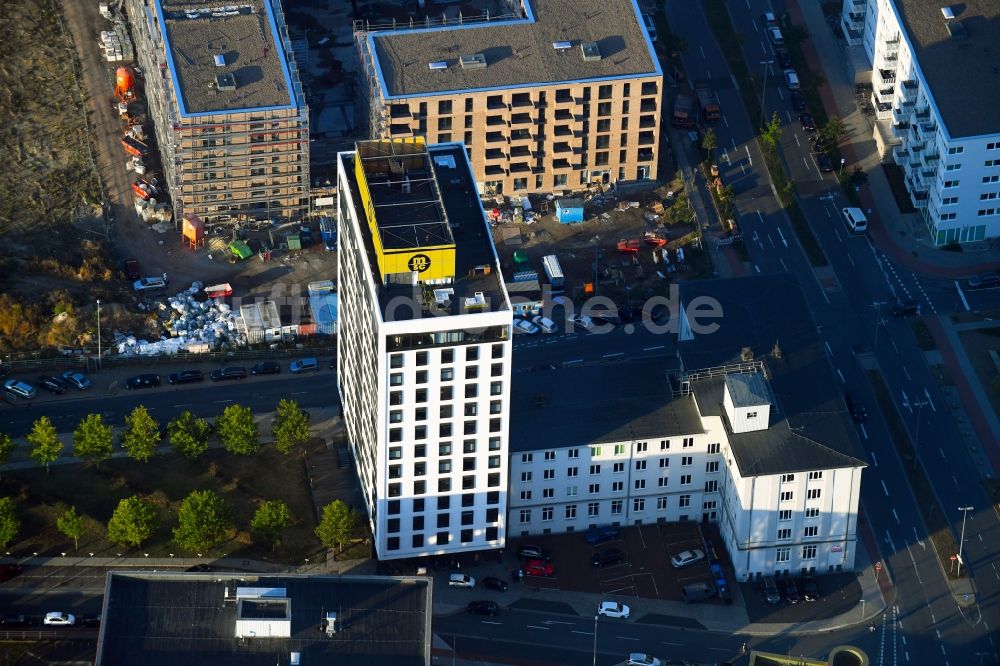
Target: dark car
[855, 407]
[52, 384]
[14, 621]
[607, 558]
[493, 583]
[266, 368]
[609, 319]
[824, 163]
[798, 101]
[906, 308]
[131, 269]
[199, 568]
[629, 313]
[533, 552]
[90, 621]
[791, 591]
[810, 590]
[483, 607]
[8, 571]
[770, 590]
[142, 381]
[783, 57]
[186, 377]
[985, 281]
[229, 372]
[602, 534]
[333, 363]
[808, 124]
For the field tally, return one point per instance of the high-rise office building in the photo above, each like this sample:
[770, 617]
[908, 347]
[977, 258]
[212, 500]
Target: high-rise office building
[423, 348]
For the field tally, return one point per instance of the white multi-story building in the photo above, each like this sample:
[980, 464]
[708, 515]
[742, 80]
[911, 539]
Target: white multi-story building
[423, 348]
[936, 92]
[745, 426]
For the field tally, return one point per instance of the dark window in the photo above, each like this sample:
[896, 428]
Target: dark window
[418, 540]
[493, 497]
[420, 469]
[444, 503]
[468, 482]
[494, 425]
[395, 490]
[422, 393]
[396, 361]
[492, 533]
[472, 353]
[468, 499]
[422, 374]
[444, 519]
[444, 430]
[420, 432]
[444, 124]
[445, 411]
[493, 481]
[447, 355]
[498, 351]
[395, 434]
[396, 398]
[443, 538]
[467, 519]
[604, 92]
[604, 125]
[471, 371]
[468, 105]
[468, 464]
[496, 370]
[421, 358]
[392, 543]
[471, 390]
[418, 523]
[444, 107]
[393, 524]
[419, 487]
[444, 485]
[446, 392]
[393, 507]
[418, 505]
[492, 515]
[395, 471]
[420, 414]
[420, 451]
[469, 428]
[466, 536]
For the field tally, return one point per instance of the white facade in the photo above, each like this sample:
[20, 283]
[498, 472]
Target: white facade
[425, 407]
[953, 181]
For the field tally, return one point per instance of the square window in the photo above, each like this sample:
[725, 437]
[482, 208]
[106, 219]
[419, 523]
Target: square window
[444, 485]
[418, 505]
[392, 543]
[468, 499]
[443, 538]
[447, 355]
[421, 358]
[392, 507]
[443, 519]
[418, 540]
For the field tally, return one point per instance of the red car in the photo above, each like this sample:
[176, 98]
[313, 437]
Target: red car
[538, 568]
[131, 268]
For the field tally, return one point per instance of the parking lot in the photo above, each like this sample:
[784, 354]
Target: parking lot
[645, 572]
[839, 593]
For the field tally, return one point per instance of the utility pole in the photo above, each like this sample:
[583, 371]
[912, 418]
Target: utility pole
[596, 253]
[767, 67]
[919, 404]
[595, 640]
[877, 305]
[98, 334]
[961, 542]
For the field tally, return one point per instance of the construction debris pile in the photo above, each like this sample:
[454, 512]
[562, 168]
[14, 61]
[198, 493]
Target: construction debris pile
[194, 326]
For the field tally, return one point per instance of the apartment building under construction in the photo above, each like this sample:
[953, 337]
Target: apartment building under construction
[227, 105]
[562, 97]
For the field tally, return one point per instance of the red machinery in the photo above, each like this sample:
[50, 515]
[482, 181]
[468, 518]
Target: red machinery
[652, 239]
[628, 246]
[134, 146]
[124, 84]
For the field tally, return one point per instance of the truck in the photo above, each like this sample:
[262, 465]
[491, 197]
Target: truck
[708, 101]
[683, 111]
[134, 146]
[554, 272]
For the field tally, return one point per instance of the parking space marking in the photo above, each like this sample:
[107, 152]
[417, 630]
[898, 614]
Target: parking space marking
[885, 489]
[491, 622]
[675, 644]
[585, 633]
[535, 626]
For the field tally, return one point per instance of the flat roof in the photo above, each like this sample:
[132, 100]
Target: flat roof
[595, 403]
[200, 34]
[810, 428]
[171, 619]
[961, 72]
[460, 205]
[520, 52]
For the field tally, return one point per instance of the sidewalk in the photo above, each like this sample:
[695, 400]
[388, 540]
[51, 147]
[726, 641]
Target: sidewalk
[904, 238]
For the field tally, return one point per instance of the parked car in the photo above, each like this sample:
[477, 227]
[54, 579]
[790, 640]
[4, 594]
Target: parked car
[824, 163]
[544, 323]
[783, 58]
[200, 568]
[791, 591]
[142, 381]
[90, 621]
[20, 388]
[131, 269]
[524, 326]
[774, 34]
[686, 558]
[538, 568]
[14, 621]
[768, 19]
[629, 313]
[77, 379]
[647, 20]
[304, 365]
[613, 609]
[906, 308]
[493, 583]
[57, 619]
[607, 558]
[8, 571]
[266, 368]
[984, 281]
[229, 372]
[696, 592]
[461, 580]
[642, 659]
[150, 284]
[583, 321]
[792, 79]
[810, 590]
[186, 377]
[807, 122]
[483, 607]
[533, 552]
[52, 384]
[798, 101]
[855, 407]
[770, 590]
[601, 534]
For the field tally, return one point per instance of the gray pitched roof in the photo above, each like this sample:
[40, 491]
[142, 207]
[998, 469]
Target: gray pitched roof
[810, 428]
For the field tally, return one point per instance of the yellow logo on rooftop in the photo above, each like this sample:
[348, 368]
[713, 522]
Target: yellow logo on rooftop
[402, 203]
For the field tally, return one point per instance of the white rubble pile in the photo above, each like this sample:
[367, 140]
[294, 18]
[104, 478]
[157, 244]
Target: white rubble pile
[193, 326]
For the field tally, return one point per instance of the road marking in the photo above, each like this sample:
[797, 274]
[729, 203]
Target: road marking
[702, 49]
[783, 241]
[942, 650]
[896, 516]
[841, 375]
[756, 268]
[535, 626]
[575, 360]
[719, 649]
[626, 638]
[653, 348]
[928, 396]
[725, 121]
[907, 373]
[851, 259]
[613, 355]
[906, 401]
[491, 622]
[941, 451]
[837, 234]
[789, 116]
[874, 459]
[799, 144]
[220, 402]
[885, 489]
[187, 404]
[864, 433]
[750, 159]
[299, 393]
[771, 240]
[907, 655]
[782, 262]
[961, 294]
[829, 352]
[919, 540]
[585, 633]
[675, 644]
[888, 540]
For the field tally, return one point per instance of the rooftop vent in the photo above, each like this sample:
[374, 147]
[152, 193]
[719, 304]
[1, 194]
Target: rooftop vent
[562, 46]
[746, 354]
[220, 60]
[591, 52]
[438, 64]
[474, 61]
[225, 82]
[948, 13]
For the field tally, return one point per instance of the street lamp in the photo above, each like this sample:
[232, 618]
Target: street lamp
[878, 320]
[596, 253]
[98, 334]
[842, 162]
[595, 640]
[767, 66]
[961, 542]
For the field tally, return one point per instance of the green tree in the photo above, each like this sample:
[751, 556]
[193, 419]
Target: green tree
[93, 439]
[237, 430]
[202, 521]
[292, 427]
[270, 520]
[833, 131]
[770, 133]
[709, 142]
[858, 177]
[133, 521]
[6, 447]
[338, 524]
[142, 435]
[71, 525]
[189, 435]
[10, 524]
[44, 442]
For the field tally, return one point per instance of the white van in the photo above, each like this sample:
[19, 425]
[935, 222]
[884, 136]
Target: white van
[855, 219]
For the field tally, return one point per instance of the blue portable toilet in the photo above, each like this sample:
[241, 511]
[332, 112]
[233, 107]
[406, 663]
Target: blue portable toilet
[569, 211]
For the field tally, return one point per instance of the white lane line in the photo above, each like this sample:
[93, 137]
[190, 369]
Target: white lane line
[626, 638]
[961, 294]
[885, 489]
[864, 432]
[787, 113]
[896, 516]
[757, 268]
[783, 266]
[928, 396]
[907, 373]
[750, 159]
[187, 404]
[702, 49]
[299, 393]
[220, 402]
[799, 144]
[837, 234]
[783, 241]
[851, 259]
[841, 375]
[805, 162]
[942, 650]
[829, 352]
[674, 644]
[725, 121]
[653, 348]
[771, 240]
[907, 655]
[613, 355]
[719, 649]
[491, 622]
[535, 626]
[941, 451]
[585, 633]
[874, 459]
[575, 360]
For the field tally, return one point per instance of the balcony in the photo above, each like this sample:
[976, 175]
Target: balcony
[520, 167]
[522, 119]
[917, 147]
[923, 113]
[909, 88]
[520, 151]
[495, 137]
[931, 159]
[521, 101]
[648, 106]
[496, 121]
[563, 130]
[887, 76]
[560, 164]
[930, 128]
[645, 155]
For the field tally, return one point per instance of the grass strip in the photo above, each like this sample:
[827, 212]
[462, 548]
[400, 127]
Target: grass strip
[934, 518]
